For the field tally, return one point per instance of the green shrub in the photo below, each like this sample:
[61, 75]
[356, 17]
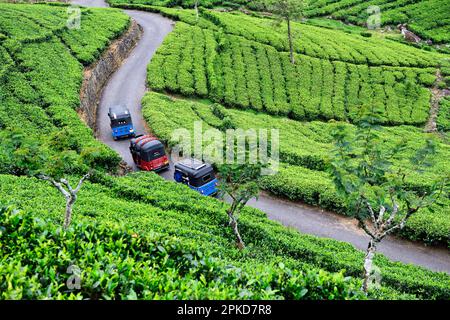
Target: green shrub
[304, 155]
[41, 261]
[241, 69]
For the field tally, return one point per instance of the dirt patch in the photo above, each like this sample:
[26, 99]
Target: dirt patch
[436, 95]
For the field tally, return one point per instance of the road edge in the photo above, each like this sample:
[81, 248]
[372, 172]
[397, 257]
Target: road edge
[97, 75]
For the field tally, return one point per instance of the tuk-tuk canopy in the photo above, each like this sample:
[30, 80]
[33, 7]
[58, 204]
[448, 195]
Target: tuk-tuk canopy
[147, 147]
[194, 168]
[119, 112]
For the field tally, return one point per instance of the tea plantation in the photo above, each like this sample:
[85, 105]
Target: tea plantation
[42, 71]
[118, 263]
[147, 204]
[138, 236]
[427, 18]
[304, 153]
[245, 66]
[237, 62]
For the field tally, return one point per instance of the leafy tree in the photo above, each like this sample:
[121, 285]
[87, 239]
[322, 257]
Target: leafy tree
[377, 193]
[21, 154]
[241, 183]
[288, 10]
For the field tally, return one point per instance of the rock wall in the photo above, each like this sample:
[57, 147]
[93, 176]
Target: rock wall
[97, 75]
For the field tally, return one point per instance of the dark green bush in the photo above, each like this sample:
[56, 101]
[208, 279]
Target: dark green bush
[366, 34]
[42, 261]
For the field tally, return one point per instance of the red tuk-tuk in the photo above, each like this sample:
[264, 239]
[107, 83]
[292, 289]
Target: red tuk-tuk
[148, 153]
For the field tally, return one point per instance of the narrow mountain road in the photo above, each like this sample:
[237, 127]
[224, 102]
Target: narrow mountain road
[127, 86]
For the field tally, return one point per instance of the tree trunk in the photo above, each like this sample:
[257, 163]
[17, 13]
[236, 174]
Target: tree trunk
[240, 244]
[368, 263]
[68, 217]
[291, 46]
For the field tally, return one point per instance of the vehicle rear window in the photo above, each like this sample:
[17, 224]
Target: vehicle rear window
[157, 154]
[207, 178]
[120, 122]
[153, 154]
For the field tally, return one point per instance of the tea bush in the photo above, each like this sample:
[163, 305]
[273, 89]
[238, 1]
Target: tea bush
[147, 204]
[40, 78]
[248, 74]
[427, 18]
[230, 58]
[304, 153]
[40, 261]
[443, 119]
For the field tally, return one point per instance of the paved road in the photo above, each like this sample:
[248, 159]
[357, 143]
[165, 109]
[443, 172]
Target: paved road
[128, 86]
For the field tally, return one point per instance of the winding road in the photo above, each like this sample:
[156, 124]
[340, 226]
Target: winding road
[128, 86]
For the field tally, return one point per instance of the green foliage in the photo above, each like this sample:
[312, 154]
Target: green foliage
[20, 155]
[285, 9]
[428, 18]
[89, 41]
[363, 172]
[443, 119]
[241, 72]
[304, 153]
[240, 182]
[146, 203]
[336, 78]
[39, 261]
[39, 93]
[323, 43]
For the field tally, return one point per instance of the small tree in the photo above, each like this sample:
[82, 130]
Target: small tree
[377, 192]
[22, 155]
[240, 183]
[69, 193]
[287, 10]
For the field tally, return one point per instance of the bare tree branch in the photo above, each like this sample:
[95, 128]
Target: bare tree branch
[86, 176]
[372, 214]
[366, 229]
[67, 184]
[57, 185]
[381, 216]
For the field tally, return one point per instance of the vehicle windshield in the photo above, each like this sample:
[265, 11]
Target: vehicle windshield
[120, 122]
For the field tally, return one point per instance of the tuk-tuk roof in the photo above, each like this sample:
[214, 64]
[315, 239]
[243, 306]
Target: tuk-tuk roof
[150, 145]
[119, 112]
[145, 143]
[193, 167]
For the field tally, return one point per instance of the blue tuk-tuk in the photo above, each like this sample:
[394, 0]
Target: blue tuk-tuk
[121, 124]
[197, 175]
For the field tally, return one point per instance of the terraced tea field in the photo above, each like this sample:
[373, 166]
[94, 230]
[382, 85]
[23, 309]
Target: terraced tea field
[428, 18]
[248, 70]
[42, 71]
[227, 70]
